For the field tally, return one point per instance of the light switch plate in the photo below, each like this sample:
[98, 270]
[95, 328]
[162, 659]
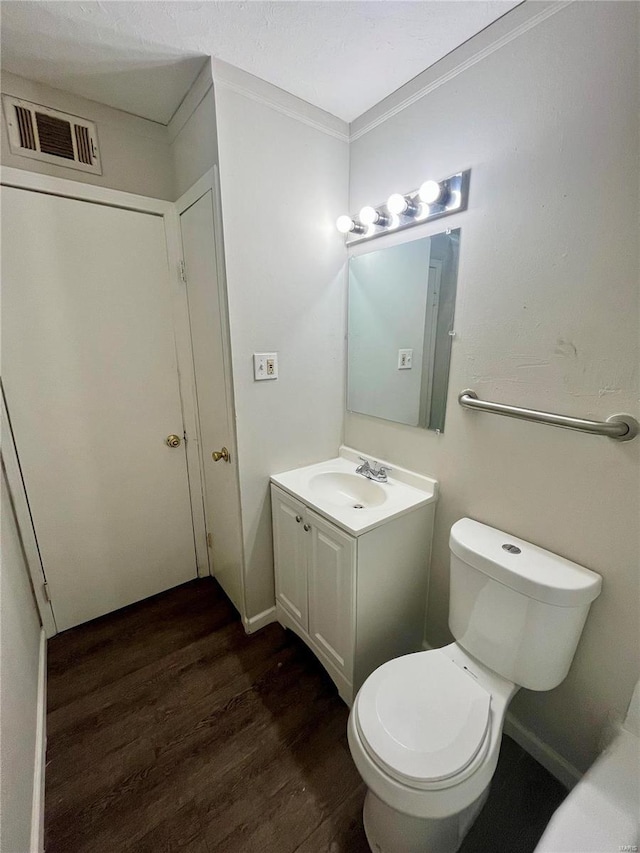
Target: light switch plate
[405, 359]
[265, 365]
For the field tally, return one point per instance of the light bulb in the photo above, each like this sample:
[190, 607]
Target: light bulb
[370, 216]
[399, 204]
[430, 192]
[344, 224]
[396, 204]
[347, 225]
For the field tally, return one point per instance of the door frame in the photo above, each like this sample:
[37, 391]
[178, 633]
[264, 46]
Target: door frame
[210, 182]
[35, 182]
[15, 482]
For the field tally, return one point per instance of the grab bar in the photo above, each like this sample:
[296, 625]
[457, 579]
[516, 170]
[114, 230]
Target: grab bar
[620, 427]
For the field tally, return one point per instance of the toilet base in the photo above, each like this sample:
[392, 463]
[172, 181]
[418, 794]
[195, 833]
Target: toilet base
[391, 831]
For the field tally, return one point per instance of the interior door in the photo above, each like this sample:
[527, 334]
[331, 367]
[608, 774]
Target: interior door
[91, 383]
[215, 406]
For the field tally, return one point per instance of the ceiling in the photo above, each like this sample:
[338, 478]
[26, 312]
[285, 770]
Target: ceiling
[142, 57]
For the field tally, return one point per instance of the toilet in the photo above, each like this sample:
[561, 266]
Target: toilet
[425, 729]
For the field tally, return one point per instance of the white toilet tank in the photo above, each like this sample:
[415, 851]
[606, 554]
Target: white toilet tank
[517, 608]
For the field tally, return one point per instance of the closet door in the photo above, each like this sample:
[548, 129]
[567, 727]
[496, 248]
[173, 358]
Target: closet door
[215, 406]
[90, 375]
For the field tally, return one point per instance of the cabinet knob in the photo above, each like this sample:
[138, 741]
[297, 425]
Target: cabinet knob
[307, 527]
[298, 518]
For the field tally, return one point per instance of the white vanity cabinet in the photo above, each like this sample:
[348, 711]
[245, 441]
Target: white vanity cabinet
[290, 542]
[356, 598]
[315, 571]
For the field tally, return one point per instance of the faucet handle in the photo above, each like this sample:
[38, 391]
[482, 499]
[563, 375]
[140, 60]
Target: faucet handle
[381, 472]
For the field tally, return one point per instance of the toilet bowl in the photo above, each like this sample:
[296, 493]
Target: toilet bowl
[425, 729]
[405, 744]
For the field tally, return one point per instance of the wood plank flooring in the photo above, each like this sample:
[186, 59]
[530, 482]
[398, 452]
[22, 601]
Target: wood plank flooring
[169, 729]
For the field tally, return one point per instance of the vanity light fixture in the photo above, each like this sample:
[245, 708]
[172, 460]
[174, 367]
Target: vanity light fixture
[370, 216]
[347, 225]
[432, 200]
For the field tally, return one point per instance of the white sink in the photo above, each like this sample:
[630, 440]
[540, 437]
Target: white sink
[354, 503]
[347, 490]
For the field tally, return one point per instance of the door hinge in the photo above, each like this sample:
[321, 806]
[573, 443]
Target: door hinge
[183, 272]
[45, 589]
[209, 540]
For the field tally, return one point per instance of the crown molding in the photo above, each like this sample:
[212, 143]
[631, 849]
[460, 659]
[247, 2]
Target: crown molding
[245, 84]
[510, 26]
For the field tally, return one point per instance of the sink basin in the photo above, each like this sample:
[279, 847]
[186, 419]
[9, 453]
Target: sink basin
[347, 490]
[334, 490]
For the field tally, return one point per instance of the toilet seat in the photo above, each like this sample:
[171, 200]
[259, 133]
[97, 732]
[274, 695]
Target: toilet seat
[424, 719]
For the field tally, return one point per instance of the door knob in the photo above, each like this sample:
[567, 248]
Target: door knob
[221, 454]
[173, 440]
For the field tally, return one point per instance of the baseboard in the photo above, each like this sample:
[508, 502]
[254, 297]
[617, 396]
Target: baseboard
[551, 760]
[545, 755]
[255, 623]
[37, 808]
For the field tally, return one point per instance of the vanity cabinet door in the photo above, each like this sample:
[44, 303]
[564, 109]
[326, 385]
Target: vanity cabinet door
[290, 554]
[332, 572]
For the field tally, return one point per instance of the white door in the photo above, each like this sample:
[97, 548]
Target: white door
[290, 546]
[206, 312]
[90, 373]
[332, 568]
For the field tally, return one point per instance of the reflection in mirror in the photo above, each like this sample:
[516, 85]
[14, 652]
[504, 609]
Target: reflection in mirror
[401, 307]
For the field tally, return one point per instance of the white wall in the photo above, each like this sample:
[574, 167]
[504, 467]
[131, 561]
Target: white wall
[19, 668]
[284, 182]
[547, 317]
[135, 153]
[192, 131]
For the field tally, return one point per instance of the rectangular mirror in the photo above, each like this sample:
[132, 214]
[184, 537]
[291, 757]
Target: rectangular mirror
[401, 309]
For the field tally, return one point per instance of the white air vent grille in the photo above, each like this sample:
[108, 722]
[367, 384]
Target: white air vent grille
[83, 143]
[44, 134]
[25, 128]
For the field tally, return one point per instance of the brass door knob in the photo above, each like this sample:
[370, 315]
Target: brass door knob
[173, 440]
[221, 454]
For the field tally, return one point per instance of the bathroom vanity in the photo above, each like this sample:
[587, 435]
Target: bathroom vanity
[352, 563]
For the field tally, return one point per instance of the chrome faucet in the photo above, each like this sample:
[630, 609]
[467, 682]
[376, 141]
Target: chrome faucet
[377, 473]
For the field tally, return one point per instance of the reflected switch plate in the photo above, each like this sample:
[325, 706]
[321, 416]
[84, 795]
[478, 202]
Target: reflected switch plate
[405, 359]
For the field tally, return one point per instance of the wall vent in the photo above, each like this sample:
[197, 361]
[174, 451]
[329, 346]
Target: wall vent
[44, 134]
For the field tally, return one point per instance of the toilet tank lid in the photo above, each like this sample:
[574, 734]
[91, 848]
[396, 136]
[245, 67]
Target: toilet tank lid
[523, 567]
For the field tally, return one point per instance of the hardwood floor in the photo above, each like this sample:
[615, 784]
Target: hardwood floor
[169, 729]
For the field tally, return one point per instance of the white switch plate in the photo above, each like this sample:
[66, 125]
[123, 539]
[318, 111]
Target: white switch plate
[405, 359]
[265, 365]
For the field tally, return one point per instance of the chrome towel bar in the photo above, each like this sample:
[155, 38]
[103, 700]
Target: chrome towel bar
[620, 427]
